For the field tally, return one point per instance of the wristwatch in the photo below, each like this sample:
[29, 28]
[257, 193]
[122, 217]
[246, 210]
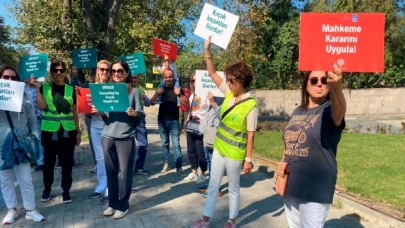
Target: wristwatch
[248, 159]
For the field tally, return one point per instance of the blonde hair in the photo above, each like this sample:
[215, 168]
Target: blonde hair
[97, 79]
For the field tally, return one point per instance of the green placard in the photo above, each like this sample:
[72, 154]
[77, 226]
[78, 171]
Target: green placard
[33, 65]
[109, 97]
[84, 58]
[136, 63]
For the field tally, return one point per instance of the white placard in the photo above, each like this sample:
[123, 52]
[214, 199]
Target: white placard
[205, 84]
[11, 95]
[217, 23]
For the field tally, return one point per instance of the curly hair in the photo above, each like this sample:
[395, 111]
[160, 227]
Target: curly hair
[241, 71]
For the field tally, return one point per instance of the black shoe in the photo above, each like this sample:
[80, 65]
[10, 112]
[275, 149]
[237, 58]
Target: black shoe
[66, 197]
[95, 195]
[141, 172]
[203, 187]
[46, 195]
[104, 199]
[39, 168]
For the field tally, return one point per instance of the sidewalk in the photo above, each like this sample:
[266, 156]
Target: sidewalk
[164, 200]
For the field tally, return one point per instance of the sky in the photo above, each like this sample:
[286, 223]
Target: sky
[8, 17]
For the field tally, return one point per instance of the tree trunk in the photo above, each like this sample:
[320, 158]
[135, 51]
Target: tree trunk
[112, 21]
[67, 7]
[88, 16]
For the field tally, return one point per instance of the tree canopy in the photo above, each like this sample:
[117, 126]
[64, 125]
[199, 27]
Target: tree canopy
[266, 37]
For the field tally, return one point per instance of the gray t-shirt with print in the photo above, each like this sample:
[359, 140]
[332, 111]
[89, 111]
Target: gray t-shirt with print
[311, 140]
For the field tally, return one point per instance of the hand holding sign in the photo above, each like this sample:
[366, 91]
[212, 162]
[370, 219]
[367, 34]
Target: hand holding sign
[335, 78]
[131, 112]
[207, 44]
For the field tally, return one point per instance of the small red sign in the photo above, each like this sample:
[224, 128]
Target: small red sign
[84, 101]
[354, 41]
[162, 47]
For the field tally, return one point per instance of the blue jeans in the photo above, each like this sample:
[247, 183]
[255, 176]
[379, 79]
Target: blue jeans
[141, 135]
[208, 157]
[40, 160]
[172, 127]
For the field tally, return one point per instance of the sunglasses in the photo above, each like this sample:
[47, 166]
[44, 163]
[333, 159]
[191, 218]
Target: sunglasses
[314, 81]
[104, 70]
[192, 81]
[119, 71]
[230, 80]
[7, 77]
[58, 71]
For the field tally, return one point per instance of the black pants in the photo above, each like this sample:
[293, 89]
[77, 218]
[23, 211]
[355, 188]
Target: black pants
[66, 146]
[195, 152]
[119, 163]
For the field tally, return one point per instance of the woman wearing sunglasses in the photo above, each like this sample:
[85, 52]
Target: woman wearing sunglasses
[26, 120]
[311, 139]
[96, 130]
[60, 128]
[118, 144]
[234, 139]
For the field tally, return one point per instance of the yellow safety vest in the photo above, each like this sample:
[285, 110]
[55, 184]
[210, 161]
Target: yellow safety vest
[51, 119]
[231, 137]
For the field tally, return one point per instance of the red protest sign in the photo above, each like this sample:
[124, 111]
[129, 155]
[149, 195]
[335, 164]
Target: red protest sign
[354, 41]
[162, 47]
[84, 101]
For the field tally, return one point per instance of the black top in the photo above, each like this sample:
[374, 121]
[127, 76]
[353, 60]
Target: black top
[311, 139]
[168, 108]
[61, 90]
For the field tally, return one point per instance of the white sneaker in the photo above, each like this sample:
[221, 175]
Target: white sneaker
[191, 177]
[109, 211]
[35, 216]
[120, 214]
[12, 214]
[201, 179]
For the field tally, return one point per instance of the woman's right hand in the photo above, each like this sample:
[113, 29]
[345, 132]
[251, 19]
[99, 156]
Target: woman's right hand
[207, 45]
[95, 111]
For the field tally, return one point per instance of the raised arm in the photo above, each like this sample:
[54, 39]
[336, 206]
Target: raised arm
[337, 99]
[210, 65]
[41, 103]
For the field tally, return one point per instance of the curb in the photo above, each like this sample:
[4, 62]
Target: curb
[372, 215]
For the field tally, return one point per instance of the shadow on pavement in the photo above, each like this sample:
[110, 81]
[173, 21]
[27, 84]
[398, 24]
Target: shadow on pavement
[349, 220]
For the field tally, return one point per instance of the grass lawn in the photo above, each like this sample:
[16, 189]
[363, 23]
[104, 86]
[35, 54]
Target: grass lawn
[372, 165]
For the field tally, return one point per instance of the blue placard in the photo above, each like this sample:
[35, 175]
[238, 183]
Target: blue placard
[84, 58]
[33, 65]
[136, 62]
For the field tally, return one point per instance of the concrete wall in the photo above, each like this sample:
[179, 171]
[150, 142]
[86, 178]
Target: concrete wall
[359, 102]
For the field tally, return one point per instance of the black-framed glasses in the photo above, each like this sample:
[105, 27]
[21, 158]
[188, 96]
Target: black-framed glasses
[230, 80]
[104, 69]
[8, 77]
[61, 71]
[119, 71]
[314, 81]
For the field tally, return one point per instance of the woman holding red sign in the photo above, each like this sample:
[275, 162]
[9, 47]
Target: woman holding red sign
[311, 139]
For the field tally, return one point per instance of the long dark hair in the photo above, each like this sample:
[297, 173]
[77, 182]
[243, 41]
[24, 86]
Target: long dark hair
[305, 94]
[7, 67]
[126, 68]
